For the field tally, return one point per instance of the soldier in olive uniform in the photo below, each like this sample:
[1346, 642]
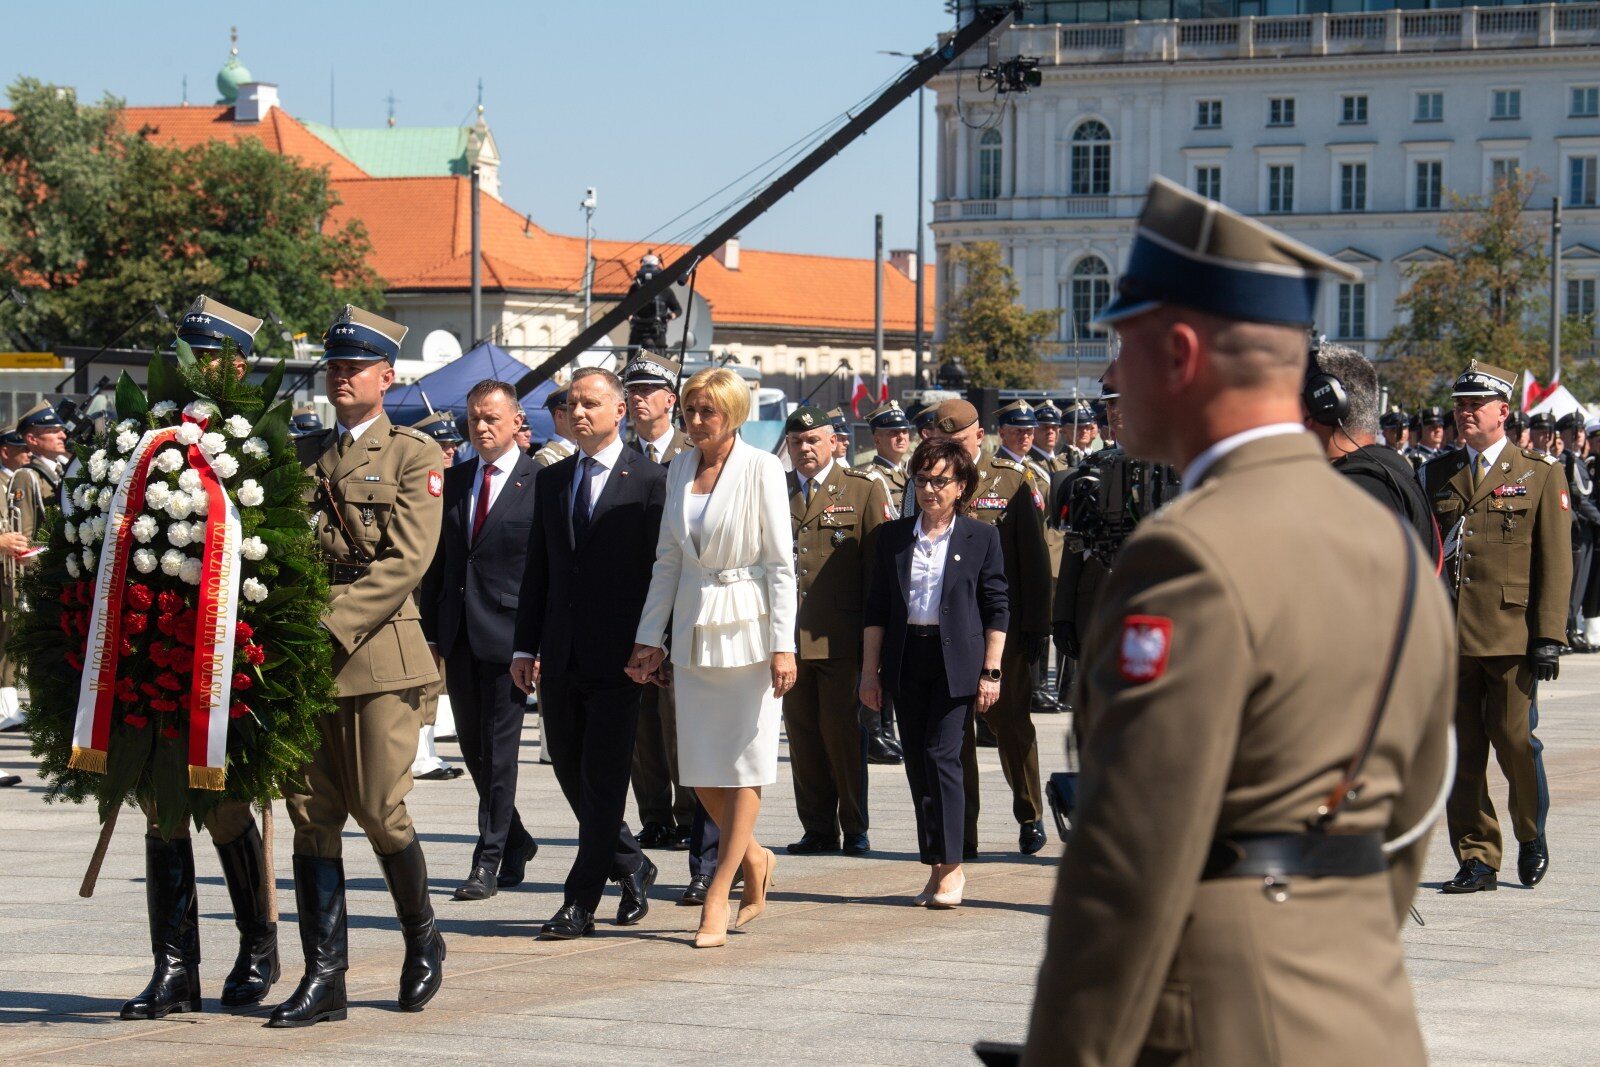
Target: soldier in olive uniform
[428, 765]
[13, 456]
[1008, 499]
[1046, 451]
[1505, 513]
[841, 436]
[1222, 900]
[834, 510]
[560, 446]
[378, 511]
[1018, 424]
[170, 894]
[666, 809]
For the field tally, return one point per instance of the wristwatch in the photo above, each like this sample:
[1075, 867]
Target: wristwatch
[990, 674]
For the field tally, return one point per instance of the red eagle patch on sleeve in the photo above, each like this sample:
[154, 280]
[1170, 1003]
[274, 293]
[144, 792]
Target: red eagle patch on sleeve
[435, 483]
[1142, 654]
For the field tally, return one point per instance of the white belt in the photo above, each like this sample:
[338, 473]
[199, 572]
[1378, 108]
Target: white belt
[738, 574]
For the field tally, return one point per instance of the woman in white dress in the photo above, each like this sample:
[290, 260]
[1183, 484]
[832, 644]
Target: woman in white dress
[724, 577]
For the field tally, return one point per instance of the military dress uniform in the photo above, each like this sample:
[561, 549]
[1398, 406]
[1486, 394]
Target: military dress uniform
[35, 486]
[377, 509]
[1220, 901]
[1505, 515]
[833, 516]
[892, 476]
[1042, 469]
[170, 895]
[1419, 453]
[428, 765]
[10, 705]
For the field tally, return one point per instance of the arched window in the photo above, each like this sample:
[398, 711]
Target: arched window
[1091, 159]
[989, 147]
[1091, 292]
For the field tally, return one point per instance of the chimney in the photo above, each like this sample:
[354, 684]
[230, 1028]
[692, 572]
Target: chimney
[255, 100]
[904, 260]
[728, 254]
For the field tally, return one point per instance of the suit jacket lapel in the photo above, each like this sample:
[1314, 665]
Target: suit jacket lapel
[520, 474]
[328, 455]
[960, 535]
[615, 483]
[903, 565]
[463, 503]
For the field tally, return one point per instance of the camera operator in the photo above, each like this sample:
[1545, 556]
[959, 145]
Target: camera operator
[648, 327]
[1350, 437]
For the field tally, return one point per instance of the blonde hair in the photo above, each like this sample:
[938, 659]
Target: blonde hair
[726, 391]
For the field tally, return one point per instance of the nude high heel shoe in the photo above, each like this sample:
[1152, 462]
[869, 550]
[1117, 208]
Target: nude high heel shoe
[717, 934]
[950, 899]
[750, 912]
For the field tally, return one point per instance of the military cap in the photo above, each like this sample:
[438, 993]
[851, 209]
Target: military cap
[1590, 428]
[557, 399]
[1078, 411]
[208, 324]
[1542, 421]
[441, 426]
[1572, 420]
[1431, 416]
[11, 437]
[953, 416]
[1048, 414]
[888, 417]
[1517, 422]
[362, 336]
[1481, 379]
[924, 417]
[1194, 252]
[806, 418]
[651, 368]
[1394, 419]
[1108, 390]
[840, 423]
[1018, 413]
[305, 420]
[42, 416]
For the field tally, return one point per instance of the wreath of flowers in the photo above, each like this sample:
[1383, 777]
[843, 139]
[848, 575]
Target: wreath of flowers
[280, 678]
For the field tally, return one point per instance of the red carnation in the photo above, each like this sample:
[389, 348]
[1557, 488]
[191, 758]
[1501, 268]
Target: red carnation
[183, 626]
[171, 733]
[238, 709]
[127, 647]
[69, 594]
[74, 660]
[169, 681]
[66, 623]
[170, 602]
[242, 682]
[162, 704]
[86, 592]
[242, 632]
[159, 656]
[164, 623]
[255, 654]
[125, 691]
[138, 722]
[135, 623]
[139, 597]
[181, 659]
[149, 690]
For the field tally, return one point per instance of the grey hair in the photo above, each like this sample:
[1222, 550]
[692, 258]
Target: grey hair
[1360, 385]
[613, 382]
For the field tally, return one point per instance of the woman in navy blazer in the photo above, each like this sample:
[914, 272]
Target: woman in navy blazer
[936, 619]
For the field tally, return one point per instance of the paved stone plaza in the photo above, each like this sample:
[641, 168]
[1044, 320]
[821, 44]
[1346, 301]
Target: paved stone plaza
[841, 971]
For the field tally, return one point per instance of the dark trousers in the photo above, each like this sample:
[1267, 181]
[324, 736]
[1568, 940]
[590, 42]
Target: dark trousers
[655, 762]
[488, 709]
[1582, 562]
[933, 727]
[1011, 720]
[827, 747]
[1495, 710]
[703, 839]
[591, 727]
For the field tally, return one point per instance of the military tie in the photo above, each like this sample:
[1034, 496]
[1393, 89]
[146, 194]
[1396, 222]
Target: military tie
[346, 439]
[1480, 467]
[650, 450]
[806, 489]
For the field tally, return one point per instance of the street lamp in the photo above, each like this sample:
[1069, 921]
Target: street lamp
[588, 205]
[475, 141]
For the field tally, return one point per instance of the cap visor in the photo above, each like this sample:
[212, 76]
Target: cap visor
[1123, 307]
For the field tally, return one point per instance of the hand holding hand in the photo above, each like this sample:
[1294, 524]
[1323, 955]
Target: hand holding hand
[988, 693]
[783, 673]
[644, 662]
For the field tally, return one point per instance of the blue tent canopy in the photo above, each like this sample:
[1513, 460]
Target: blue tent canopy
[447, 388]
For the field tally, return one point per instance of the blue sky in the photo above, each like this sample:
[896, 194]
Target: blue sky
[656, 105]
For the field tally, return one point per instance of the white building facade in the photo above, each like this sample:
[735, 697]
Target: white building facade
[1348, 131]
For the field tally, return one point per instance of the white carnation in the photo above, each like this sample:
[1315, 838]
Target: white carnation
[144, 560]
[80, 496]
[72, 566]
[200, 502]
[97, 466]
[251, 495]
[200, 410]
[70, 532]
[179, 507]
[180, 534]
[189, 433]
[144, 529]
[170, 461]
[99, 522]
[157, 494]
[253, 590]
[189, 481]
[86, 532]
[225, 465]
[172, 562]
[255, 448]
[237, 426]
[106, 496]
[212, 443]
[162, 409]
[88, 560]
[253, 548]
[116, 470]
[127, 442]
[127, 426]
[190, 571]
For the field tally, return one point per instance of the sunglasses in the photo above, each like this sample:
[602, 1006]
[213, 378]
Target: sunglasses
[923, 481]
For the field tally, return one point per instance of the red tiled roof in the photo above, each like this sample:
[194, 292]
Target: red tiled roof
[186, 127]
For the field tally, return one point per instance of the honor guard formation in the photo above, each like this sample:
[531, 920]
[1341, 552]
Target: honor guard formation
[1176, 561]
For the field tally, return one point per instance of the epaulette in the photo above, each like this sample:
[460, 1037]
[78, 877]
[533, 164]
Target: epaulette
[1007, 462]
[397, 430]
[857, 472]
[1533, 453]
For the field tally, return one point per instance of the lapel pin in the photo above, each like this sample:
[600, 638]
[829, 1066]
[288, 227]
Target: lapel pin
[517, 486]
[623, 473]
[958, 557]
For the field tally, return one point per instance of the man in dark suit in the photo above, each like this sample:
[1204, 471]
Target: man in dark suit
[469, 611]
[590, 554]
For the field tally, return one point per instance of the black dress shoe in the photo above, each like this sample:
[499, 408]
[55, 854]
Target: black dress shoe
[694, 894]
[654, 835]
[856, 845]
[1533, 860]
[882, 749]
[480, 885]
[636, 894]
[569, 924]
[1475, 876]
[1032, 838]
[440, 774]
[514, 864]
[682, 838]
[812, 845]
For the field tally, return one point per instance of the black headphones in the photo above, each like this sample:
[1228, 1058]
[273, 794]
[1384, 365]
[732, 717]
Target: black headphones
[1323, 394]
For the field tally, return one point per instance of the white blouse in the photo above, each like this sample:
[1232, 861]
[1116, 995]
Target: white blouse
[927, 575]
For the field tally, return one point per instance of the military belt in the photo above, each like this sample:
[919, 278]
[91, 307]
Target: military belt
[1308, 855]
[345, 573]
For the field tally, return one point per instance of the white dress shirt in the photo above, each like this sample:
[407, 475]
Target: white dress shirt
[1204, 461]
[504, 465]
[1492, 454]
[604, 459]
[357, 430]
[818, 480]
[660, 444]
[927, 574]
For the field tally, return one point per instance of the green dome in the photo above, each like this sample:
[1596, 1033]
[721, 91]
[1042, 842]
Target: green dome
[232, 75]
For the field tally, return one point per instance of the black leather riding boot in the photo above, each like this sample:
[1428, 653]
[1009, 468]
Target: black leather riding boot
[174, 931]
[319, 898]
[406, 873]
[256, 966]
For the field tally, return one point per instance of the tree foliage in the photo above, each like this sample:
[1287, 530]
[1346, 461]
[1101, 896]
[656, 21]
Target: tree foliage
[97, 222]
[993, 336]
[1488, 299]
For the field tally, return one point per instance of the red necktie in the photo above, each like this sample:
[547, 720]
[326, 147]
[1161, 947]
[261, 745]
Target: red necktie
[481, 511]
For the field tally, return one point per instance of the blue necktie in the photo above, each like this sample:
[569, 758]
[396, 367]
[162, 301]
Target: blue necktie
[580, 503]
